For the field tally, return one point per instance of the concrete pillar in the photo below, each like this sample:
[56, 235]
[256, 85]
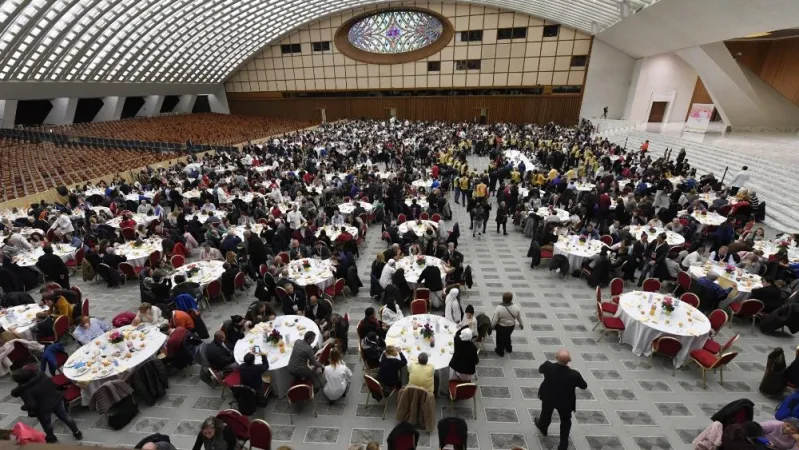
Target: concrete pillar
[151, 107]
[111, 110]
[63, 111]
[218, 101]
[8, 113]
[185, 104]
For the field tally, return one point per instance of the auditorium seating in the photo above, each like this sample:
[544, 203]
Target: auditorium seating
[203, 128]
[29, 167]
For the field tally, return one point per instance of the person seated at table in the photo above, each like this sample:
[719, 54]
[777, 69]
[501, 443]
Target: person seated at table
[431, 279]
[337, 377]
[654, 258]
[62, 225]
[723, 255]
[318, 311]
[694, 258]
[184, 286]
[228, 279]
[218, 355]
[53, 267]
[178, 318]
[302, 362]
[215, 435]
[709, 282]
[371, 323]
[143, 208]
[260, 312]
[252, 374]
[769, 294]
[320, 249]
[423, 375]
[750, 264]
[149, 314]
[675, 226]
[390, 363]
[235, 329]
[127, 222]
[298, 251]
[89, 329]
[58, 306]
[398, 280]
[294, 301]
[464, 360]
[387, 274]
[672, 266]
[230, 242]
[589, 231]
[741, 436]
[781, 435]
[208, 253]
[181, 346]
[344, 236]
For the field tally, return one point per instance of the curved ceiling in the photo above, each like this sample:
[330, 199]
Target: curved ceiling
[190, 41]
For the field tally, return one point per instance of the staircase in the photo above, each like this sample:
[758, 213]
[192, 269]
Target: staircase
[773, 179]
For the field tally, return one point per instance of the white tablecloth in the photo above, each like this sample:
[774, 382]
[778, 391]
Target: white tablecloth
[417, 228]
[686, 323]
[246, 197]
[136, 196]
[769, 248]
[562, 214]
[421, 201]
[239, 230]
[584, 187]
[21, 319]
[574, 251]
[413, 270]
[137, 256]
[410, 342]
[12, 216]
[209, 271]
[140, 219]
[742, 282]
[709, 219]
[100, 361]
[291, 329]
[28, 259]
[203, 218]
[341, 175]
[515, 157]
[28, 231]
[320, 272]
[194, 193]
[425, 184]
[333, 232]
[347, 208]
[94, 191]
[672, 238]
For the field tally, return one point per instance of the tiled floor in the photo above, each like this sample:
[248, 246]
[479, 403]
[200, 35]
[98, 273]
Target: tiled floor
[631, 402]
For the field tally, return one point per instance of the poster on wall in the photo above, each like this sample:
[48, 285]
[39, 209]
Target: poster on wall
[699, 117]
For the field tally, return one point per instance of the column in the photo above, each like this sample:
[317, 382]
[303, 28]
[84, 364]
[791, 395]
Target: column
[185, 104]
[63, 111]
[218, 101]
[8, 113]
[111, 110]
[151, 107]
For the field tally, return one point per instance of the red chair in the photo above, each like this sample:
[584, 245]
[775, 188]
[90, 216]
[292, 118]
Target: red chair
[262, 269]
[668, 346]
[616, 289]
[77, 290]
[609, 324]
[424, 216]
[386, 237]
[690, 298]
[238, 423]
[71, 395]
[213, 290]
[718, 318]
[401, 218]
[59, 379]
[179, 249]
[177, 261]
[20, 356]
[715, 348]
[239, 282]
[129, 271]
[154, 258]
[228, 381]
[323, 355]
[260, 435]
[606, 239]
[708, 361]
[84, 307]
[459, 390]
[335, 289]
[607, 307]
[313, 290]
[683, 282]
[129, 234]
[300, 392]
[377, 391]
[651, 285]
[422, 293]
[284, 257]
[747, 310]
[436, 218]
[419, 307]
[60, 328]
[402, 439]
[76, 262]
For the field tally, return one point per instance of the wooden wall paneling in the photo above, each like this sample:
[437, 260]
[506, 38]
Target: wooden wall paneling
[781, 68]
[700, 95]
[752, 53]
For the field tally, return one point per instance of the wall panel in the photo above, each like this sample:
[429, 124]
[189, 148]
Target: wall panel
[562, 109]
[775, 62]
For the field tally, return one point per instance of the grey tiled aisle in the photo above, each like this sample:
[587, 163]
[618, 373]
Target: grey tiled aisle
[631, 402]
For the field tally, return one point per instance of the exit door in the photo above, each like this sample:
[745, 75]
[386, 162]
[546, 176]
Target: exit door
[657, 112]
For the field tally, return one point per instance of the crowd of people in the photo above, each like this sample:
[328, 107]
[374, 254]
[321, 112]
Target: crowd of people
[316, 193]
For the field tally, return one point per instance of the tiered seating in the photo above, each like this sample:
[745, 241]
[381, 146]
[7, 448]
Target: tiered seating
[27, 168]
[204, 128]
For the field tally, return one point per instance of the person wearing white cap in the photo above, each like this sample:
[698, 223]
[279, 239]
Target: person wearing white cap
[464, 360]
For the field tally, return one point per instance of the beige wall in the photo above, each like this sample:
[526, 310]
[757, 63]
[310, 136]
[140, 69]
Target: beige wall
[517, 62]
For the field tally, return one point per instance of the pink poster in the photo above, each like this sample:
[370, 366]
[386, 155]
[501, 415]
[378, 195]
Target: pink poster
[699, 117]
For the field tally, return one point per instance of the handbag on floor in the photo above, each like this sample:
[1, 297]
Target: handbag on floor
[122, 413]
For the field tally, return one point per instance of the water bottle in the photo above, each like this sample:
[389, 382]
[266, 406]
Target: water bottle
[650, 298]
[438, 326]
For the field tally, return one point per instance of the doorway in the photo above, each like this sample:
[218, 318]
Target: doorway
[481, 115]
[657, 112]
[323, 114]
[390, 112]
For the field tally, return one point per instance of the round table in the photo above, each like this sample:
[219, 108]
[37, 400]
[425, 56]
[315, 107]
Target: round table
[21, 319]
[137, 196]
[769, 248]
[137, 256]
[404, 334]
[194, 193]
[419, 227]
[329, 176]
[239, 230]
[320, 272]
[515, 157]
[333, 232]
[672, 238]
[574, 251]
[686, 323]
[741, 281]
[247, 197]
[710, 197]
[562, 214]
[347, 208]
[141, 219]
[709, 218]
[12, 216]
[413, 269]
[421, 201]
[584, 187]
[28, 232]
[94, 191]
[29, 259]
[291, 329]
[203, 218]
[100, 361]
[424, 184]
[209, 271]
[285, 207]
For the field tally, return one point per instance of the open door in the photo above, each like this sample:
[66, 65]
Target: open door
[390, 112]
[481, 115]
[657, 112]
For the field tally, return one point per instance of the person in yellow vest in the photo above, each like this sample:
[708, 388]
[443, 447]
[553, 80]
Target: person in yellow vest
[539, 179]
[464, 183]
[571, 174]
[422, 375]
[481, 190]
[553, 173]
[515, 176]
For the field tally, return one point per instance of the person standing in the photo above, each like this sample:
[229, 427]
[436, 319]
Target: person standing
[557, 393]
[41, 399]
[739, 180]
[506, 315]
[502, 218]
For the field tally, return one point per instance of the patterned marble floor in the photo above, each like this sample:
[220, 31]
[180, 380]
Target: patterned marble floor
[631, 402]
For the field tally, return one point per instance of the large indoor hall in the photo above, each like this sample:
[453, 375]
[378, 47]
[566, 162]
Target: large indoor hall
[358, 225]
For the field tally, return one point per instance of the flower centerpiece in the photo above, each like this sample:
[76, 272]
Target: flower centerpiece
[729, 268]
[420, 261]
[583, 238]
[137, 243]
[274, 337]
[306, 265]
[419, 222]
[205, 212]
[668, 305]
[427, 331]
[115, 337]
[652, 230]
[782, 249]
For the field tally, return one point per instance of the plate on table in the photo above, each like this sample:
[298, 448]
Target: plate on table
[81, 371]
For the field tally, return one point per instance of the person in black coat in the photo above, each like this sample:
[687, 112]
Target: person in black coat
[391, 363]
[234, 329]
[557, 393]
[464, 360]
[257, 251]
[769, 294]
[318, 311]
[398, 280]
[53, 267]
[215, 435]
[654, 258]
[251, 373]
[41, 399]
[112, 259]
[219, 357]
[294, 302]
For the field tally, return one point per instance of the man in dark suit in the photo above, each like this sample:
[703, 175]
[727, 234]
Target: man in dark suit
[112, 259]
[257, 252]
[769, 294]
[654, 258]
[452, 256]
[53, 267]
[557, 393]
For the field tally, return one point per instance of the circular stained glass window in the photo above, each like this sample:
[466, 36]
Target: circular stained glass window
[392, 32]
